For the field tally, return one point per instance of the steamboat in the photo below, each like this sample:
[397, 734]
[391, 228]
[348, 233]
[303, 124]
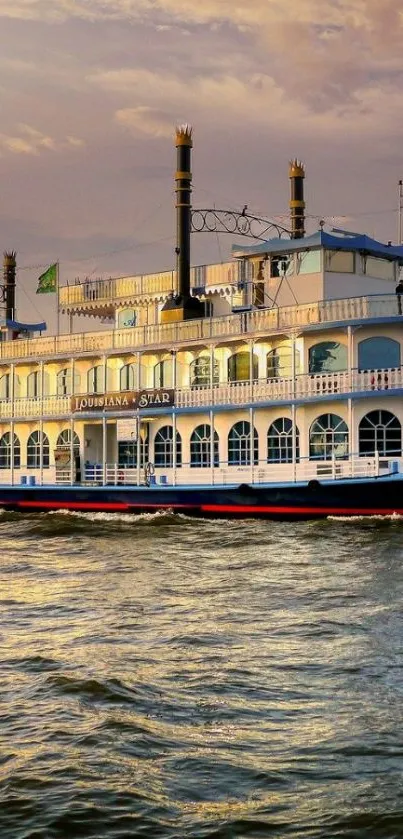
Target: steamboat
[267, 386]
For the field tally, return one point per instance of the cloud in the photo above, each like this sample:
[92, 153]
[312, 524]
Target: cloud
[145, 121]
[324, 52]
[30, 141]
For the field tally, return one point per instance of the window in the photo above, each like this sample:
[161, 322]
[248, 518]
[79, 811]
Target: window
[282, 265]
[127, 452]
[279, 362]
[163, 373]
[200, 447]
[279, 442]
[328, 438]
[64, 439]
[382, 269]
[239, 445]
[5, 451]
[34, 450]
[239, 367]
[378, 353]
[33, 384]
[308, 262]
[5, 386]
[64, 382]
[200, 371]
[327, 357]
[380, 431]
[342, 262]
[163, 448]
[128, 377]
[126, 318]
[95, 379]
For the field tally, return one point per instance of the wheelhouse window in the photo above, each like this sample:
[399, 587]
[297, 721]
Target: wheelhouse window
[378, 353]
[37, 443]
[327, 357]
[239, 367]
[200, 372]
[200, 447]
[239, 445]
[382, 269]
[328, 438]
[341, 262]
[380, 431]
[279, 362]
[6, 453]
[163, 448]
[128, 377]
[280, 442]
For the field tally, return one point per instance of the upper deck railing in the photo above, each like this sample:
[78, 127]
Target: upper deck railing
[104, 292]
[251, 324]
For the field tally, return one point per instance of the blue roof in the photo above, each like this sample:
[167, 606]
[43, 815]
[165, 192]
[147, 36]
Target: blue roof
[321, 239]
[23, 327]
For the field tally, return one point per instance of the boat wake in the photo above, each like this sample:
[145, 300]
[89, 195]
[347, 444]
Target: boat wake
[392, 517]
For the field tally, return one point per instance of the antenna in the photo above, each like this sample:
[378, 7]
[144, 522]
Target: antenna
[399, 212]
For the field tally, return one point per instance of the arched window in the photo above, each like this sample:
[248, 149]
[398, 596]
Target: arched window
[239, 445]
[128, 377]
[5, 451]
[239, 367]
[95, 379]
[200, 447]
[200, 371]
[126, 318]
[163, 373]
[5, 386]
[279, 441]
[64, 382]
[327, 357]
[34, 450]
[279, 362]
[64, 439]
[328, 438]
[127, 452]
[163, 447]
[378, 353]
[380, 431]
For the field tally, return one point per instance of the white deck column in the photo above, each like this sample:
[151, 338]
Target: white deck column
[212, 445]
[104, 449]
[41, 450]
[72, 458]
[294, 441]
[252, 443]
[138, 448]
[350, 431]
[174, 446]
[12, 450]
[350, 356]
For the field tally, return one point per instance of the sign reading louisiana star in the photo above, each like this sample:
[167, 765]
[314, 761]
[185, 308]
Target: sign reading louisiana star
[126, 401]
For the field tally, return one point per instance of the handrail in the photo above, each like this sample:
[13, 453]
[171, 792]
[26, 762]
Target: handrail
[254, 323]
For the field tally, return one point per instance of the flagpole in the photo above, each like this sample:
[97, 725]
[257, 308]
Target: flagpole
[57, 300]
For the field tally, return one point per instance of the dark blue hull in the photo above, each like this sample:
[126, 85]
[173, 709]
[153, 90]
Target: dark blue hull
[370, 496]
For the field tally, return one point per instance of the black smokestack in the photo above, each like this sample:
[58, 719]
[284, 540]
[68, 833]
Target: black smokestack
[297, 203]
[9, 268]
[183, 179]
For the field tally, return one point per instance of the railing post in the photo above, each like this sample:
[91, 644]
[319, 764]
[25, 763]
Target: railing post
[104, 449]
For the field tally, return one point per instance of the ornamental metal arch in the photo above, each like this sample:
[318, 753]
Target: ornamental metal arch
[235, 223]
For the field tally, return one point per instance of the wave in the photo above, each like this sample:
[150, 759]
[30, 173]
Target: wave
[392, 517]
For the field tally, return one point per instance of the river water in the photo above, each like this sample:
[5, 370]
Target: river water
[165, 677]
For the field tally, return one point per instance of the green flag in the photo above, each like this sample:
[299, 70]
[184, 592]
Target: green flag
[47, 282]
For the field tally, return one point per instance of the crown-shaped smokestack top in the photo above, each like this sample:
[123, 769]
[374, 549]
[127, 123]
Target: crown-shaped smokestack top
[296, 169]
[296, 172]
[184, 135]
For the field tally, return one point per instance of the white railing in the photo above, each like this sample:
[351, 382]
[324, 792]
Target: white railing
[305, 386]
[112, 474]
[255, 323]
